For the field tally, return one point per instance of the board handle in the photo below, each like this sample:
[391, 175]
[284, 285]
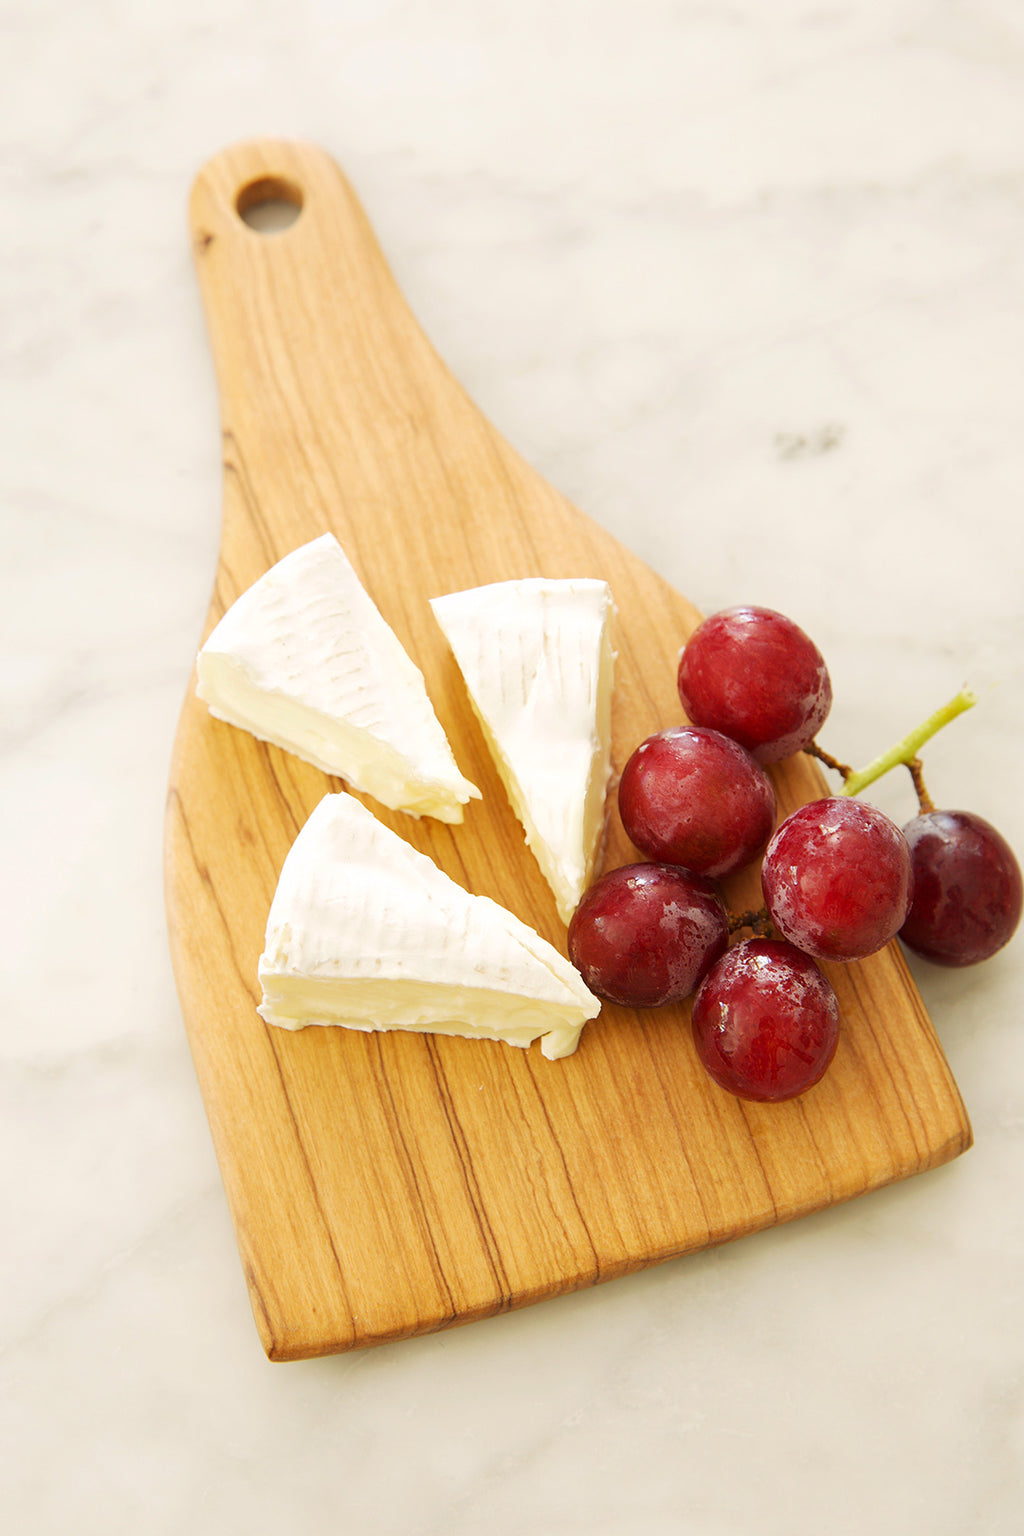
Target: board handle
[313, 345]
[247, 175]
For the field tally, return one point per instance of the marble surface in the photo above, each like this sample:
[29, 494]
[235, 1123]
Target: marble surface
[745, 281]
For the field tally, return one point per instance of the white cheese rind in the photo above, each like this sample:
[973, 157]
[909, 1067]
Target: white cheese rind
[538, 663]
[366, 932]
[305, 660]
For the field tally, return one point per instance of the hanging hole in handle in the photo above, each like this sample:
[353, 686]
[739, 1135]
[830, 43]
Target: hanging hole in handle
[269, 205]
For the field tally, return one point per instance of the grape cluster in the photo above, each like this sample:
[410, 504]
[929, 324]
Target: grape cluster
[840, 879]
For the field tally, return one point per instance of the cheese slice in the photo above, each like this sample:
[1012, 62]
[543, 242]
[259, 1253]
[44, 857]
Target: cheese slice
[537, 659]
[305, 660]
[366, 932]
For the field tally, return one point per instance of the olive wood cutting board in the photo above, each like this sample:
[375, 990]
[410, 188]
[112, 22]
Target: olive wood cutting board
[385, 1185]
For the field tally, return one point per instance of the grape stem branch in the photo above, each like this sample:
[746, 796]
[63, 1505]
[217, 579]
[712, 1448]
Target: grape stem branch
[760, 922]
[905, 751]
[813, 750]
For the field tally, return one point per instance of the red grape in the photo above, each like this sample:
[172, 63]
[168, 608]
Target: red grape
[967, 888]
[755, 676]
[646, 933]
[837, 878]
[765, 1021]
[692, 797]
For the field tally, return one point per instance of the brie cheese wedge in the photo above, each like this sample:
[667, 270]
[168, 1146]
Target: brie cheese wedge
[305, 660]
[366, 932]
[537, 659]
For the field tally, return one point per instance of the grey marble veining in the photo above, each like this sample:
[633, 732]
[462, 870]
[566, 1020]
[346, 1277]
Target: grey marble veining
[745, 281]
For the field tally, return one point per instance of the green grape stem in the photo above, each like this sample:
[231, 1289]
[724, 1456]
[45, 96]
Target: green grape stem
[905, 751]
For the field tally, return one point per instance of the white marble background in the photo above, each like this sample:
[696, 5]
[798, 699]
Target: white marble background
[745, 279]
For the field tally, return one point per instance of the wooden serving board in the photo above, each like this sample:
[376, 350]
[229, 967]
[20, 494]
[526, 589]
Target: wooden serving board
[386, 1185]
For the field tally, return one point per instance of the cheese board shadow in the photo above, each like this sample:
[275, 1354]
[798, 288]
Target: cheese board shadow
[384, 1185]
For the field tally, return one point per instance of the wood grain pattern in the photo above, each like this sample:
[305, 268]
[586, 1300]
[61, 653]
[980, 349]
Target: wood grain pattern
[384, 1186]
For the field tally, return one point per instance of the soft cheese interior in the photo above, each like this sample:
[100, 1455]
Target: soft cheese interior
[305, 660]
[366, 932]
[538, 662]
